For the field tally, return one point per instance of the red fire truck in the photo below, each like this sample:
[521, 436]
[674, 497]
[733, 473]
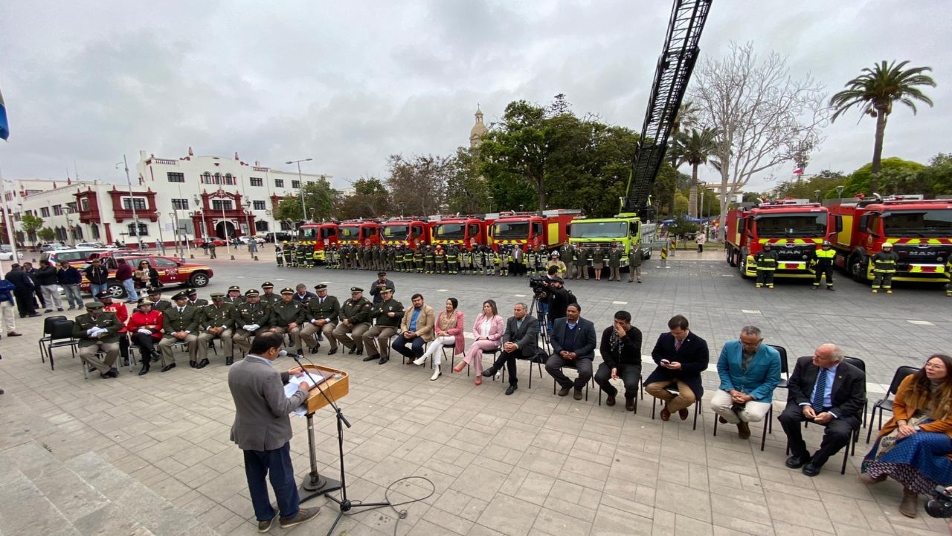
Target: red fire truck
[794, 229]
[530, 229]
[920, 231]
[470, 231]
[320, 236]
[358, 232]
[405, 231]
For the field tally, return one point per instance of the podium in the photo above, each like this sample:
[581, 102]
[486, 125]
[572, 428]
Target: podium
[335, 385]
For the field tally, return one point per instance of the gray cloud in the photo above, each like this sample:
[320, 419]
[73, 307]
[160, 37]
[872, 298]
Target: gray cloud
[350, 83]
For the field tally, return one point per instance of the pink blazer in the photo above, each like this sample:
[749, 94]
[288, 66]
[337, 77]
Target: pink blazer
[495, 331]
[456, 332]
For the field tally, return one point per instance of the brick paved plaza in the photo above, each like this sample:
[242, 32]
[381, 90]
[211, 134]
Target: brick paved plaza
[151, 455]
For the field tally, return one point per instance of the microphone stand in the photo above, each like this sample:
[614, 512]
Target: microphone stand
[317, 487]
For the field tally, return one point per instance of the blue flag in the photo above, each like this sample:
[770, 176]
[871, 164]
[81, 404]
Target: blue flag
[4, 126]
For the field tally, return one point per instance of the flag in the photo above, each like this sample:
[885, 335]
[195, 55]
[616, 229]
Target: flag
[798, 171]
[4, 126]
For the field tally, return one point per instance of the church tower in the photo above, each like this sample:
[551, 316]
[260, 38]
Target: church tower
[478, 130]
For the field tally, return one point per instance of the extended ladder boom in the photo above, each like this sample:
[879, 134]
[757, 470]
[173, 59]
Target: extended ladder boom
[670, 85]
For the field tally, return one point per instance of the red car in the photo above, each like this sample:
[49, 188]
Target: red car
[219, 243]
[172, 271]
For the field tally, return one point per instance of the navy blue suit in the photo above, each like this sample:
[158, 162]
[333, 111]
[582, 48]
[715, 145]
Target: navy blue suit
[583, 344]
[694, 357]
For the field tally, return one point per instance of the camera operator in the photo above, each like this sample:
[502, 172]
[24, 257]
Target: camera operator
[381, 283]
[559, 299]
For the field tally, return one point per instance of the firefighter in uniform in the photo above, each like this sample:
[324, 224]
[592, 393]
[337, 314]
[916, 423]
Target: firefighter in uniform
[823, 264]
[320, 317]
[217, 322]
[301, 255]
[766, 261]
[452, 259]
[439, 260]
[267, 295]
[278, 258]
[251, 318]
[884, 268]
[428, 260]
[180, 324]
[93, 340]
[287, 315]
[555, 261]
[465, 259]
[288, 253]
[355, 320]
[398, 258]
[542, 257]
[234, 295]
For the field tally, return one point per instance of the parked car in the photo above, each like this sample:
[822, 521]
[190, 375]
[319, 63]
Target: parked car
[245, 240]
[219, 243]
[172, 271]
[279, 236]
[76, 256]
[95, 245]
[52, 247]
[6, 253]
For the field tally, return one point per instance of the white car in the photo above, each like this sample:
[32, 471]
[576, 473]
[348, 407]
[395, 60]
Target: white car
[6, 253]
[246, 239]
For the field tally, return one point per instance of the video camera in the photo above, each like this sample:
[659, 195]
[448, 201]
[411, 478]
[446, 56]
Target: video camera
[539, 284]
[941, 505]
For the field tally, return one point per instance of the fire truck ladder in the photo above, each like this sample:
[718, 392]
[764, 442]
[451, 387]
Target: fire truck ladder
[670, 84]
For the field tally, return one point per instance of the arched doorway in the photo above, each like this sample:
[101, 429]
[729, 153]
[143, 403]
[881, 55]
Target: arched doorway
[225, 230]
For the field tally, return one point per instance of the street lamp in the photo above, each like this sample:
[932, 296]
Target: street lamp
[301, 184]
[817, 194]
[173, 216]
[204, 227]
[252, 245]
[490, 202]
[839, 191]
[132, 201]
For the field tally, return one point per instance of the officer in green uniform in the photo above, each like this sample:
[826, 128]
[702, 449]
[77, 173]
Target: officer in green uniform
[634, 263]
[98, 330]
[217, 322]
[193, 298]
[567, 255]
[158, 302]
[581, 263]
[268, 295]
[287, 317]
[884, 268]
[320, 317]
[180, 325]
[766, 261]
[251, 317]
[234, 295]
[354, 320]
[388, 314]
[614, 264]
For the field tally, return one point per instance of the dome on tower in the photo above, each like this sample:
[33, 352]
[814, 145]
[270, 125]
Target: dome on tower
[479, 129]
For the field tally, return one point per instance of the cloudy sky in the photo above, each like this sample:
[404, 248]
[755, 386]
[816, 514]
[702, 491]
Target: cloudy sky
[349, 83]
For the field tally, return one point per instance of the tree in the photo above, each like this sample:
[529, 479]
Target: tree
[516, 149]
[319, 200]
[896, 176]
[46, 234]
[760, 114]
[467, 192]
[418, 186]
[875, 91]
[694, 148]
[31, 224]
[825, 182]
[370, 200]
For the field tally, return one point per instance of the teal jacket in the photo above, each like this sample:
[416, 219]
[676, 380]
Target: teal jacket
[763, 374]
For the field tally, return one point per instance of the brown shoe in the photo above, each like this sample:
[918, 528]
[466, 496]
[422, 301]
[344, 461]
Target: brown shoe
[683, 413]
[743, 430]
[564, 391]
[578, 394]
[629, 404]
[265, 526]
[303, 515]
[868, 480]
[910, 503]
[665, 414]
[610, 401]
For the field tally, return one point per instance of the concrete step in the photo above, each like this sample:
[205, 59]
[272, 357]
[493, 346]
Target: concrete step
[26, 509]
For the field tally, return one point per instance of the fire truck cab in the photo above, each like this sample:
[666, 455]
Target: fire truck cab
[793, 230]
[409, 232]
[464, 231]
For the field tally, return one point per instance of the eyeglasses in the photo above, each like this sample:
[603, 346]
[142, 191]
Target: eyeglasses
[934, 365]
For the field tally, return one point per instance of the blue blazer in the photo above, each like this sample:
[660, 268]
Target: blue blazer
[693, 356]
[584, 339]
[763, 374]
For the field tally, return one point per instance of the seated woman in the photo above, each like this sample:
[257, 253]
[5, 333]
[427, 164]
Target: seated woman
[487, 331]
[145, 327]
[915, 446]
[449, 331]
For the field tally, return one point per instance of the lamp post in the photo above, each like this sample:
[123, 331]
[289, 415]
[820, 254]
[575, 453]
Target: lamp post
[301, 184]
[224, 225]
[252, 245]
[173, 217]
[490, 202]
[132, 200]
[817, 194]
[204, 227]
[839, 191]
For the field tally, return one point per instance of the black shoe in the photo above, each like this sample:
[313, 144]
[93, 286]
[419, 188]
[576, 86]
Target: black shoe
[610, 401]
[352, 351]
[193, 364]
[490, 372]
[145, 369]
[511, 389]
[811, 469]
[229, 361]
[629, 404]
[329, 352]
[155, 358]
[167, 368]
[113, 373]
[125, 362]
[360, 351]
[35, 314]
[372, 357]
[316, 348]
[202, 364]
[827, 288]
[577, 395]
[796, 462]
[383, 360]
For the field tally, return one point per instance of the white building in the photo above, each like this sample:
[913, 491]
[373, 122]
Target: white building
[172, 198]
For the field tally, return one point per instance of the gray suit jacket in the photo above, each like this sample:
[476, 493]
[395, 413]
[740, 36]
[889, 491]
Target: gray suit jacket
[526, 336]
[261, 409]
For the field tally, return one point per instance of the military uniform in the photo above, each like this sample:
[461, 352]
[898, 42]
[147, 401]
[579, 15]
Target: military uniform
[267, 295]
[581, 263]
[386, 327]
[614, 264]
[287, 317]
[320, 316]
[255, 315]
[217, 322]
[634, 263]
[234, 300]
[568, 257]
[107, 341]
[355, 320]
[177, 319]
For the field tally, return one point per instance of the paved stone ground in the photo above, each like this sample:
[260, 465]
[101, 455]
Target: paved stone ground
[150, 455]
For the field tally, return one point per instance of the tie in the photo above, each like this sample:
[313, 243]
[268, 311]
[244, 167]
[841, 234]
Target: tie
[321, 301]
[677, 344]
[818, 396]
[181, 309]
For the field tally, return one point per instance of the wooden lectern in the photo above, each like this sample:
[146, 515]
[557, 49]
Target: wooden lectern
[335, 386]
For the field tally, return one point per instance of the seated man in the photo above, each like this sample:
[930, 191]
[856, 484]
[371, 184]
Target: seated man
[320, 316]
[388, 315]
[621, 358]
[252, 317]
[416, 329]
[749, 371]
[681, 357]
[286, 317]
[521, 338]
[217, 322]
[825, 390]
[573, 345]
[180, 324]
[98, 330]
[354, 320]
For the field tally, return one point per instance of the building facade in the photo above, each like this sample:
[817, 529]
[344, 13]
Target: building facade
[169, 200]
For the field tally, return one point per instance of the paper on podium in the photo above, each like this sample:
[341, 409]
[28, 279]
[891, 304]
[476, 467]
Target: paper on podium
[295, 381]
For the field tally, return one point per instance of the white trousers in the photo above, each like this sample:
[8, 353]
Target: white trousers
[436, 348]
[753, 411]
[8, 315]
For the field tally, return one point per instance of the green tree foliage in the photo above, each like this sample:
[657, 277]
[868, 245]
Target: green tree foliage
[418, 186]
[46, 234]
[370, 200]
[875, 91]
[938, 176]
[31, 224]
[825, 181]
[319, 200]
[896, 176]
[694, 148]
[516, 150]
[681, 226]
[467, 192]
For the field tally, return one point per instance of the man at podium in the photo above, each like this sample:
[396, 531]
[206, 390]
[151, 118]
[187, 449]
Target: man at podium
[262, 430]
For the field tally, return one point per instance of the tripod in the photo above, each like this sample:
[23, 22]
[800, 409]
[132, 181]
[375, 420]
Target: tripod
[543, 316]
[317, 485]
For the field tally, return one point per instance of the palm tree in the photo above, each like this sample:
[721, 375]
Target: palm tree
[875, 91]
[695, 148]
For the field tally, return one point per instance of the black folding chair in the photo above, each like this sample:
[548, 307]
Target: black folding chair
[61, 336]
[47, 329]
[886, 403]
[674, 391]
[567, 365]
[858, 363]
[641, 387]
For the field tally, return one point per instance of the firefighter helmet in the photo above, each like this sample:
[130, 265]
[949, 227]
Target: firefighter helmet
[826, 243]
